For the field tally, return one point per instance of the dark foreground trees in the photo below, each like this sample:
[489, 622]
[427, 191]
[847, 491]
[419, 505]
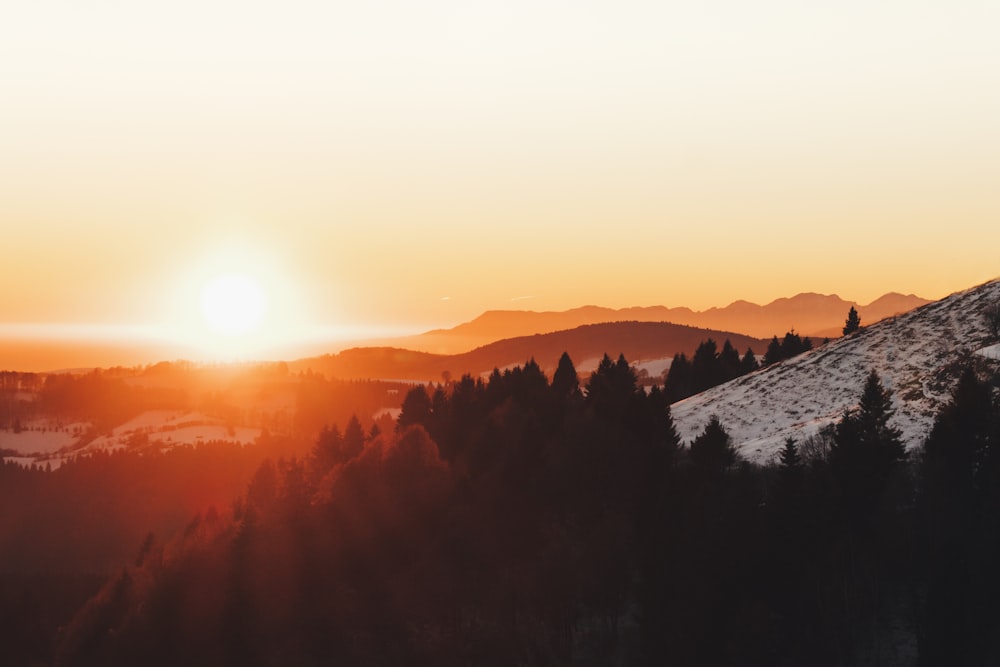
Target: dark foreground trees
[518, 521]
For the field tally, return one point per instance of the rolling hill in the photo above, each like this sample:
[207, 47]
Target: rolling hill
[918, 355]
[638, 341]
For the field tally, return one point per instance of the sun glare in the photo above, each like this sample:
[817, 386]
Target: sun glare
[236, 300]
[233, 304]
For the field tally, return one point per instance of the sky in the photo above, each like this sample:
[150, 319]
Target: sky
[384, 167]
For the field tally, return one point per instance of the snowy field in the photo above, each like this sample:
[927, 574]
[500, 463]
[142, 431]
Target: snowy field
[45, 443]
[173, 427]
[41, 437]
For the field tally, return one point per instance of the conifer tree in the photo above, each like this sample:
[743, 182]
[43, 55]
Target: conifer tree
[565, 382]
[866, 448]
[712, 451]
[416, 408]
[792, 345]
[326, 453]
[957, 450]
[729, 362]
[873, 418]
[611, 387]
[958, 521]
[749, 362]
[705, 366]
[789, 455]
[354, 438]
[788, 487]
[679, 381]
[853, 322]
[773, 354]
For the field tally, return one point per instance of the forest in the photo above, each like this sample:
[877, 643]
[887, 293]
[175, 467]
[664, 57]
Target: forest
[519, 519]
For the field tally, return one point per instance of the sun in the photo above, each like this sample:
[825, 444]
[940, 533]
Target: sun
[235, 300]
[233, 304]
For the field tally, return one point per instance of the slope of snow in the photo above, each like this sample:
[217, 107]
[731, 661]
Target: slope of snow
[918, 355]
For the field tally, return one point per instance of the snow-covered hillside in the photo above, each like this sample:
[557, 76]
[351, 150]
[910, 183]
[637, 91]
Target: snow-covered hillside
[918, 355]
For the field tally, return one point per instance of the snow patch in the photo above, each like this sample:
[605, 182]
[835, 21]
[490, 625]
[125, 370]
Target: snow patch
[991, 352]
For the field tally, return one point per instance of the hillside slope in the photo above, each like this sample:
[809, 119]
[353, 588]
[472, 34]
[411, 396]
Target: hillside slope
[918, 355]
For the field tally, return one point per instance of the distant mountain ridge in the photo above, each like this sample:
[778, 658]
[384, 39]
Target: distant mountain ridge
[918, 355]
[638, 341]
[809, 314]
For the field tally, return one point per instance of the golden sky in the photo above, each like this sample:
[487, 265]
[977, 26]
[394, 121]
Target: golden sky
[401, 165]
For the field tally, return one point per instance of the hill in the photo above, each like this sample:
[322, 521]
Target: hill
[810, 314]
[918, 355]
[638, 341]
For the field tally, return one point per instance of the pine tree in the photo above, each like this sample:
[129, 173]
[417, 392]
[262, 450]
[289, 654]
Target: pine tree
[853, 322]
[354, 438]
[749, 362]
[789, 455]
[664, 430]
[565, 382]
[326, 453]
[611, 387]
[729, 362]
[416, 408]
[787, 501]
[957, 450]
[712, 451]
[959, 522]
[705, 365]
[773, 354]
[873, 419]
[866, 449]
[793, 345]
[679, 383]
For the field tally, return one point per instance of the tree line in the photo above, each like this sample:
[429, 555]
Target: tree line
[710, 366]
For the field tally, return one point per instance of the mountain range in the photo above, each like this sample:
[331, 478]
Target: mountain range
[918, 355]
[809, 314]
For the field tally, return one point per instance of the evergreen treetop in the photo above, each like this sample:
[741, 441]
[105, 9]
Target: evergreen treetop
[853, 322]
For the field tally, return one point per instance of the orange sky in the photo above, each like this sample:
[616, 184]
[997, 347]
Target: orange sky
[400, 166]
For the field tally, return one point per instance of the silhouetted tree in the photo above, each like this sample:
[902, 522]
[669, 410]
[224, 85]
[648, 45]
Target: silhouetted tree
[729, 362]
[354, 438]
[611, 387]
[749, 363]
[773, 354]
[790, 346]
[705, 366]
[565, 383]
[866, 448]
[789, 456]
[416, 409]
[326, 453]
[679, 383]
[853, 322]
[793, 345]
[712, 451]
[960, 517]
